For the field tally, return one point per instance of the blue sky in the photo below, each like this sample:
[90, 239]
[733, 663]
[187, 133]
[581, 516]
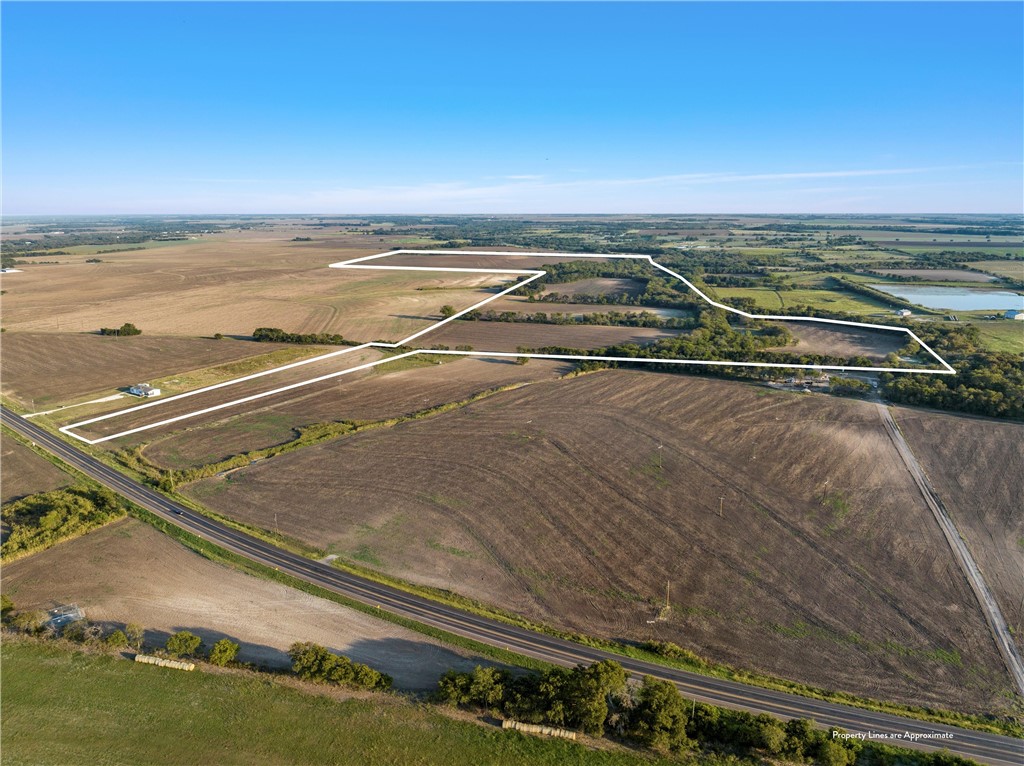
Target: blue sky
[512, 108]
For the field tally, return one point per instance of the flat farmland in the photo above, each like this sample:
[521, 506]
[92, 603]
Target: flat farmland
[379, 396]
[156, 410]
[522, 305]
[977, 468]
[1008, 269]
[597, 286]
[41, 369]
[129, 572]
[509, 336]
[793, 538]
[941, 275]
[816, 338]
[232, 286]
[23, 472]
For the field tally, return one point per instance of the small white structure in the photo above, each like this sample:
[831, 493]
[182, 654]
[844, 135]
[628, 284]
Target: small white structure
[144, 390]
[65, 614]
[903, 312]
[1014, 314]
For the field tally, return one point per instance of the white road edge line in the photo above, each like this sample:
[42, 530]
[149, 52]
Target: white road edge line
[532, 274]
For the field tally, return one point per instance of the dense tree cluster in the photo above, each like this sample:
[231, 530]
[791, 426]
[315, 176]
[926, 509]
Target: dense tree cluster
[986, 383]
[38, 521]
[277, 335]
[126, 329]
[312, 662]
[598, 701]
[609, 318]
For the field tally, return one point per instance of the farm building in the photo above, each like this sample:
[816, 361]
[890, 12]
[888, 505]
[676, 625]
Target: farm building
[1014, 314]
[903, 313]
[144, 389]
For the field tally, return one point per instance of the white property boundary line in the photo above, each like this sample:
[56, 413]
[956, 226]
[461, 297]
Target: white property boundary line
[531, 274]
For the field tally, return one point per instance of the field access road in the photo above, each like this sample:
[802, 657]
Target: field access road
[993, 749]
[997, 624]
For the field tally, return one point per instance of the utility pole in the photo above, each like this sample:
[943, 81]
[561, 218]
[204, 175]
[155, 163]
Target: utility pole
[721, 500]
[668, 591]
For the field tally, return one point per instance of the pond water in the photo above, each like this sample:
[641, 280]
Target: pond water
[955, 298]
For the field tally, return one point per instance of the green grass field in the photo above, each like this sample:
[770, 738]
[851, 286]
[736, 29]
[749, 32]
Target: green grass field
[1002, 335]
[62, 707]
[1008, 269]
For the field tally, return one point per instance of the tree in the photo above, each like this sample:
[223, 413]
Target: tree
[223, 652]
[447, 311]
[658, 718]
[135, 633]
[183, 644]
[117, 640]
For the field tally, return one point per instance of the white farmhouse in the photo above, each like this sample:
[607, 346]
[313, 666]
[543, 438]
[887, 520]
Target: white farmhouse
[144, 390]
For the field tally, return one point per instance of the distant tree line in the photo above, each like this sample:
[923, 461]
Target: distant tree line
[609, 318]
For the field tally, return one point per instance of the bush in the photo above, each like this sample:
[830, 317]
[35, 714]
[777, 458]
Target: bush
[183, 644]
[223, 652]
[29, 622]
[38, 521]
[6, 606]
[313, 662]
[116, 640]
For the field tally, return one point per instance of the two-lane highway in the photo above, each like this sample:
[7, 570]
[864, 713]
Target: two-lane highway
[988, 748]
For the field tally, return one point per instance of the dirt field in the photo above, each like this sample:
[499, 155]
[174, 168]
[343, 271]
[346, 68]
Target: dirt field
[522, 305]
[599, 286]
[375, 397]
[129, 572]
[233, 285]
[794, 540]
[813, 338]
[977, 468]
[941, 275]
[41, 369]
[509, 336]
[156, 410]
[23, 472]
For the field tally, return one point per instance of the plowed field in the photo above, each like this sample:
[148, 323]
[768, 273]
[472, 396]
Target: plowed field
[793, 538]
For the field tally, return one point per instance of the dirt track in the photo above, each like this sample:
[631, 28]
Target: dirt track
[978, 473]
[575, 501]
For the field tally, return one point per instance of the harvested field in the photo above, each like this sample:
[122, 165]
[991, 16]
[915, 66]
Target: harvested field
[157, 410]
[843, 341]
[232, 286]
[509, 336]
[522, 305]
[510, 261]
[376, 397]
[794, 539]
[130, 572]
[977, 468]
[598, 286]
[23, 472]
[940, 275]
[41, 369]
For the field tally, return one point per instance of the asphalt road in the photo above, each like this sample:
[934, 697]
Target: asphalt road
[905, 732]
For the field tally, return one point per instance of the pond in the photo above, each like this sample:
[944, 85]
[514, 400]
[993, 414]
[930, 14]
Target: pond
[955, 298]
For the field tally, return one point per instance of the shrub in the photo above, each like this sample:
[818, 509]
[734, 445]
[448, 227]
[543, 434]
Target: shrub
[183, 644]
[223, 652]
